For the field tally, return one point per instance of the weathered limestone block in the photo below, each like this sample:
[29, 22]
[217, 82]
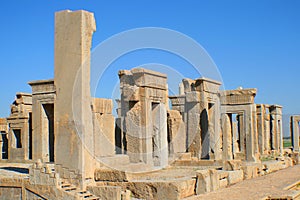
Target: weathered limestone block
[238, 97]
[232, 165]
[10, 193]
[178, 103]
[104, 127]
[295, 157]
[173, 190]
[214, 179]
[106, 192]
[235, 176]
[207, 181]
[203, 182]
[223, 178]
[176, 132]
[148, 78]
[188, 85]
[227, 137]
[102, 106]
[273, 166]
[193, 97]
[252, 171]
[207, 85]
[133, 131]
[193, 129]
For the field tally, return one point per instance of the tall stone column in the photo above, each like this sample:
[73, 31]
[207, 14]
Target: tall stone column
[273, 132]
[241, 125]
[261, 127]
[193, 131]
[217, 143]
[295, 132]
[267, 132]
[250, 135]
[73, 114]
[227, 137]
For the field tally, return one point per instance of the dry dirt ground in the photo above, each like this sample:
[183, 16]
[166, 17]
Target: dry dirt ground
[272, 185]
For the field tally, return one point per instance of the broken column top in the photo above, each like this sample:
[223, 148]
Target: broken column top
[276, 109]
[201, 85]
[144, 78]
[23, 98]
[295, 117]
[238, 97]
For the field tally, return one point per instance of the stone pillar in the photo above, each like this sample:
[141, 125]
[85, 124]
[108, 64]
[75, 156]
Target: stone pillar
[273, 132]
[249, 133]
[181, 89]
[242, 133]
[261, 127]
[227, 137]
[276, 113]
[295, 132]
[234, 138]
[267, 131]
[193, 130]
[176, 133]
[216, 142]
[104, 128]
[159, 141]
[73, 114]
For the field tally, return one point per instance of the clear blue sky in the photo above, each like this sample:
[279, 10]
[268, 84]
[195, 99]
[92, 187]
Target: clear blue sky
[254, 43]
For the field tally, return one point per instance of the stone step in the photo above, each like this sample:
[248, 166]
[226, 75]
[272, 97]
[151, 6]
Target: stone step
[65, 185]
[71, 188]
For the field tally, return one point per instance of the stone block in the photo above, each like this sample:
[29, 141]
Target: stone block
[232, 165]
[104, 131]
[176, 133]
[203, 182]
[273, 166]
[251, 171]
[207, 85]
[110, 175]
[173, 189]
[106, 192]
[223, 183]
[126, 195]
[238, 97]
[102, 106]
[235, 176]
[193, 97]
[214, 180]
[148, 78]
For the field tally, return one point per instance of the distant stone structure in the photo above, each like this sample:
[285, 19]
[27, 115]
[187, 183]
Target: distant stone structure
[76, 149]
[295, 132]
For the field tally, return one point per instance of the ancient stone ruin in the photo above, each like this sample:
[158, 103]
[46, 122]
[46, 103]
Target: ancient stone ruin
[74, 148]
